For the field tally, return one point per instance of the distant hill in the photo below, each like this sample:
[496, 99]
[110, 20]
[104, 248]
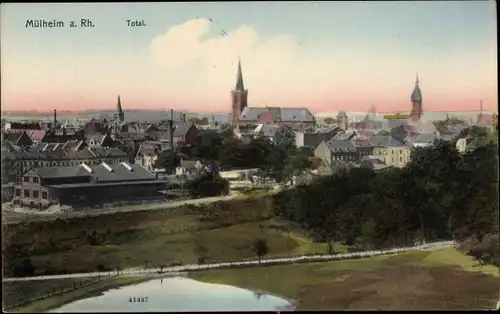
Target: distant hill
[158, 115]
[130, 115]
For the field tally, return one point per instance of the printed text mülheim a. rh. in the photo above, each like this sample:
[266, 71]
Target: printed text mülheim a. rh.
[86, 22]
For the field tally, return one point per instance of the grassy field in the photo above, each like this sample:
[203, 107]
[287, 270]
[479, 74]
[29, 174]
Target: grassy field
[443, 279]
[32, 288]
[225, 229]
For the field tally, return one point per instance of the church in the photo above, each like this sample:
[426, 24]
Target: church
[244, 116]
[416, 101]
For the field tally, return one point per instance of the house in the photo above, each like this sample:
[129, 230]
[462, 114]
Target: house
[314, 138]
[272, 132]
[391, 151]
[276, 115]
[96, 126]
[466, 144]
[424, 139]
[34, 135]
[389, 124]
[185, 134]
[18, 138]
[60, 136]
[345, 136]
[72, 153]
[147, 156]
[98, 139]
[86, 185]
[190, 168]
[136, 127]
[334, 151]
[374, 164]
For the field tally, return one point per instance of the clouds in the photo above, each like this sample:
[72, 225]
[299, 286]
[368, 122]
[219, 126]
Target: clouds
[266, 61]
[281, 70]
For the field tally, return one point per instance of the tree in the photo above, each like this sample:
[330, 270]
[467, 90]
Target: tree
[260, 247]
[232, 153]
[209, 145]
[368, 232]
[209, 184]
[161, 266]
[168, 161]
[24, 269]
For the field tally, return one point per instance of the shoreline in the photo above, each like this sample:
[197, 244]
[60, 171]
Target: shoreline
[55, 302]
[98, 289]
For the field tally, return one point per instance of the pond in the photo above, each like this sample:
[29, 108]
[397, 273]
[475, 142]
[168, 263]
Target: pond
[177, 295]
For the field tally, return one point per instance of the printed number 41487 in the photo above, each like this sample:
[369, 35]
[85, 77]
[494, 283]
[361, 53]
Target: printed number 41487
[138, 299]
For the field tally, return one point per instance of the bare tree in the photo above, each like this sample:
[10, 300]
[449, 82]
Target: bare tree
[260, 247]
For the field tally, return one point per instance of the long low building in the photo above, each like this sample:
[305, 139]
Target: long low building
[86, 185]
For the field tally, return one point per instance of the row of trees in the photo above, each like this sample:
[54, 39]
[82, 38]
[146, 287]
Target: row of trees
[440, 194]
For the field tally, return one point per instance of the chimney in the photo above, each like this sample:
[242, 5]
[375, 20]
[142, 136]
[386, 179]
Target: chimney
[55, 119]
[184, 117]
[171, 130]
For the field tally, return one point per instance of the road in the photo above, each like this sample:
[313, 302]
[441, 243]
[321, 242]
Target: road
[263, 262]
[129, 208]
[41, 216]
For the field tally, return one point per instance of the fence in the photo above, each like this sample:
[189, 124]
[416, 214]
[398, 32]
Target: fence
[175, 270]
[182, 269]
[77, 284]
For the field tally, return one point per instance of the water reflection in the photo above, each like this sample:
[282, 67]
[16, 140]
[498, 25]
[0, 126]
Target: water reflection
[177, 294]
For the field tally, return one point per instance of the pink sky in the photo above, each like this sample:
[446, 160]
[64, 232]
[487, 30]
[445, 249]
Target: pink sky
[180, 69]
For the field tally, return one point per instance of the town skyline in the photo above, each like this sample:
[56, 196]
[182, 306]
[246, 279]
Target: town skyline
[350, 56]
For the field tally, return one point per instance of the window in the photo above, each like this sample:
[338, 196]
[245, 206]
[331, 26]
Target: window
[18, 192]
[26, 179]
[35, 179]
[35, 194]
[26, 193]
[44, 195]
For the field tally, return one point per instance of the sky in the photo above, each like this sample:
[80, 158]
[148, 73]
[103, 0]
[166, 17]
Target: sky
[325, 56]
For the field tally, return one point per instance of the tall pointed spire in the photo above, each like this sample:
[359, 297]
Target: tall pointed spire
[119, 110]
[417, 80]
[119, 105]
[239, 78]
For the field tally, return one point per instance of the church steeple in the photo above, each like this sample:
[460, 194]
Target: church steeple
[416, 101]
[416, 96]
[239, 79]
[119, 111]
[239, 98]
